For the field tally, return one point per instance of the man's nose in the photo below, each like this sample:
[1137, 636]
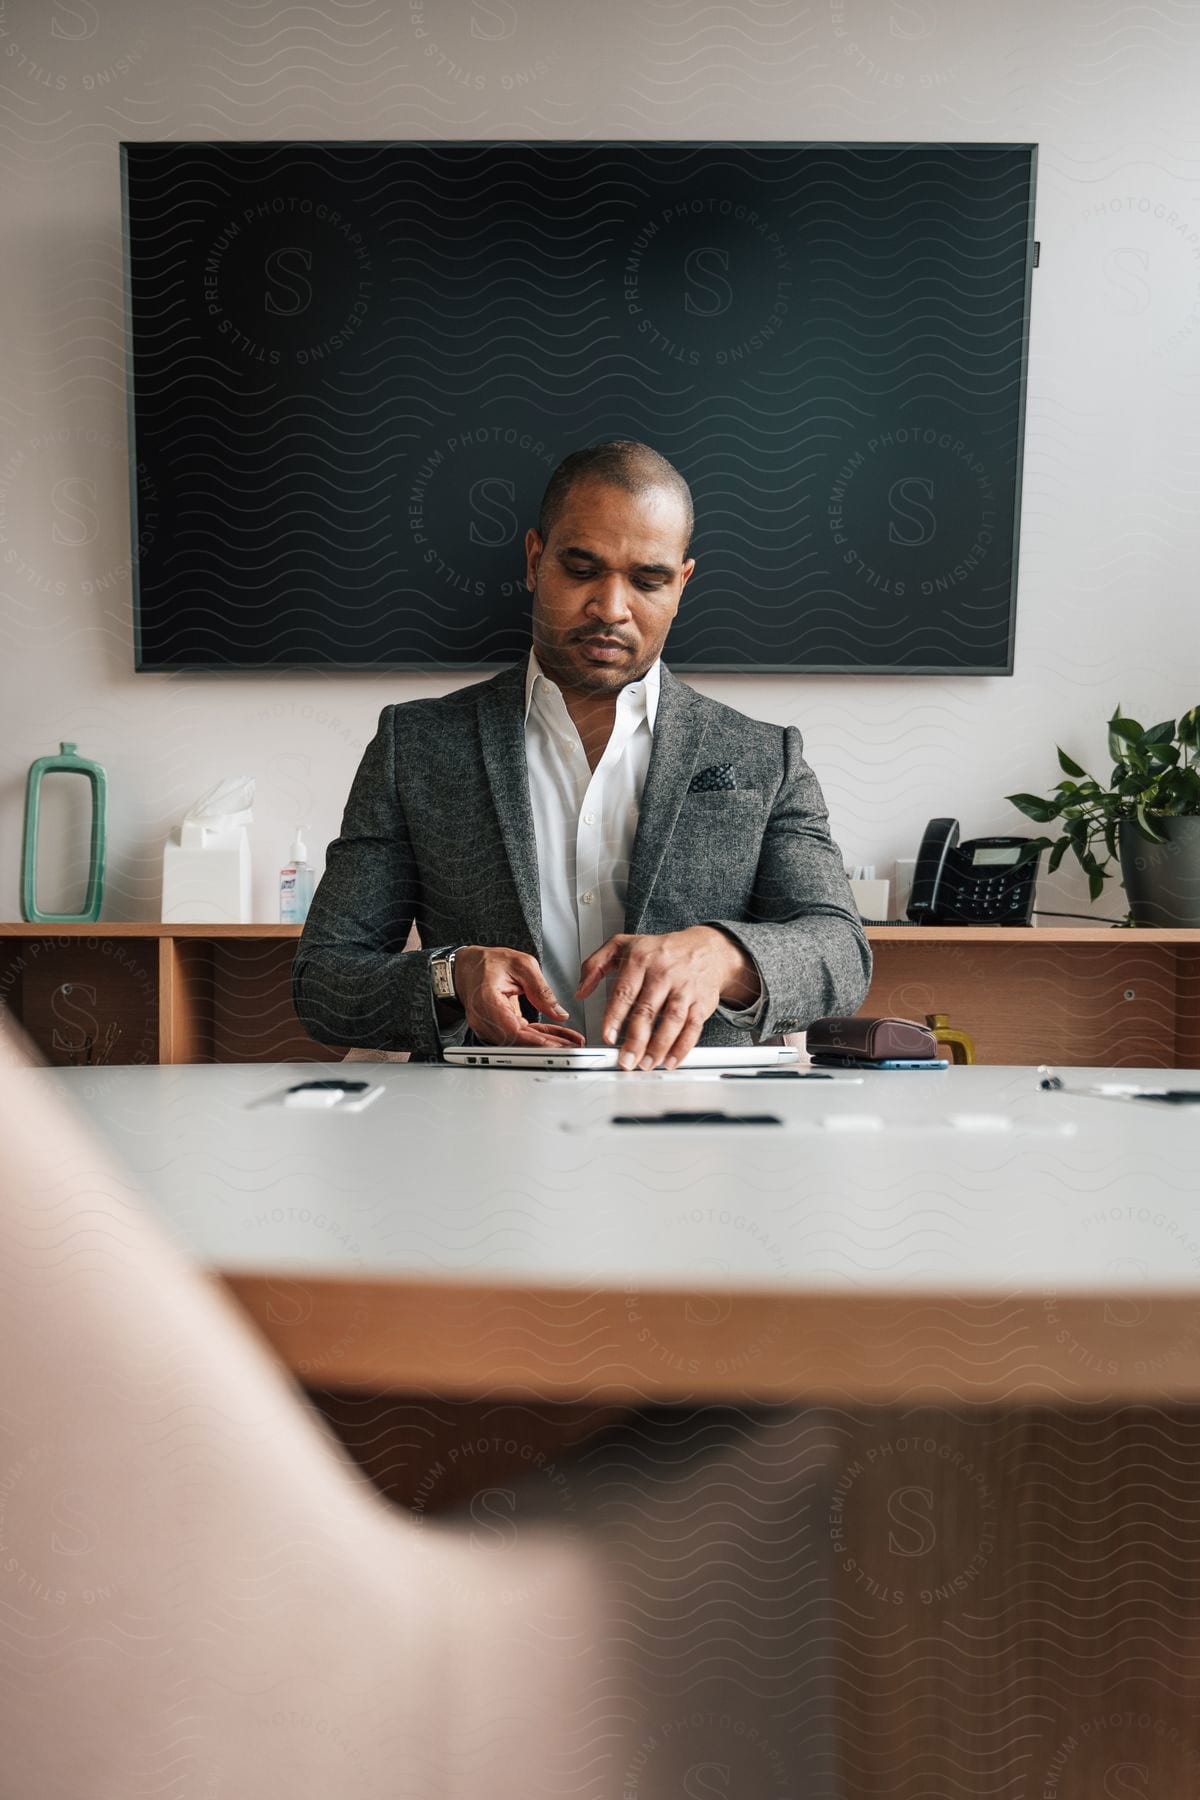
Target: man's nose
[609, 599]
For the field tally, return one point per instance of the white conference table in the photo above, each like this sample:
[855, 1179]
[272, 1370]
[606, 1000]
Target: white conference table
[982, 1298]
[492, 1231]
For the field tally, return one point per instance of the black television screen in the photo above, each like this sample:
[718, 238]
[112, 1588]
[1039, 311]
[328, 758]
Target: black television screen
[352, 368]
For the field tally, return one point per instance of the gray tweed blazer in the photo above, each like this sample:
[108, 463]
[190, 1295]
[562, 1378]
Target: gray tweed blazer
[438, 829]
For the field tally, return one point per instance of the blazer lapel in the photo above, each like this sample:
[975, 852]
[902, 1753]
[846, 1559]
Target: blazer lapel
[679, 730]
[502, 734]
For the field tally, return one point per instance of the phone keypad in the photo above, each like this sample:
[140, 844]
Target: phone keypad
[993, 897]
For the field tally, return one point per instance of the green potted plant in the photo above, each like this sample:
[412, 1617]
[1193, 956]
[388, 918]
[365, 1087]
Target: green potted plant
[1147, 818]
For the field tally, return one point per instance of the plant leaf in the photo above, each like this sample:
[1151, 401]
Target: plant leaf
[1122, 731]
[1161, 734]
[1067, 766]
[1034, 807]
[1056, 855]
[1179, 791]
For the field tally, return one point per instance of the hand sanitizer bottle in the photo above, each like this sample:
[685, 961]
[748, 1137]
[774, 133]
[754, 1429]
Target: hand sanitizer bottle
[295, 884]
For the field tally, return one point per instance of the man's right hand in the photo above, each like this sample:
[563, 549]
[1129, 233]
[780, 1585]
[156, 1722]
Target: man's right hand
[489, 982]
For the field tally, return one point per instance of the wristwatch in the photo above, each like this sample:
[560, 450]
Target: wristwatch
[441, 970]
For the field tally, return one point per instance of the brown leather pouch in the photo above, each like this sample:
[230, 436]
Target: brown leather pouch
[870, 1040]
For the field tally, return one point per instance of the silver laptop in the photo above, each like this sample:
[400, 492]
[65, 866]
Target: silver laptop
[497, 1056]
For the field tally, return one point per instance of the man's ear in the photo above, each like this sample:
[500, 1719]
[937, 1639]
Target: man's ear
[533, 555]
[685, 573]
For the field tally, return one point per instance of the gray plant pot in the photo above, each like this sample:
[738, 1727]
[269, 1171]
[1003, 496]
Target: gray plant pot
[1162, 881]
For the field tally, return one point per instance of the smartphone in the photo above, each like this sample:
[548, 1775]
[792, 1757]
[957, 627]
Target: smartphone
[332, 1096]
[696, 1118]
[776, 1075]
[347, 1087]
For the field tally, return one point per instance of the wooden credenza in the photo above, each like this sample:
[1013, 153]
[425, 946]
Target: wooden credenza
[178, 993]
[1092, 996]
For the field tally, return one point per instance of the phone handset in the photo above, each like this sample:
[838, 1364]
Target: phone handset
[941, 837]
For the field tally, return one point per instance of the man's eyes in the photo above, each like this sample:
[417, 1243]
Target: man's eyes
[647, 587]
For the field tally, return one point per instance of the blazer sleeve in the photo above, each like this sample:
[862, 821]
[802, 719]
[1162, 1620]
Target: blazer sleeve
[803, 933]
[353, 982]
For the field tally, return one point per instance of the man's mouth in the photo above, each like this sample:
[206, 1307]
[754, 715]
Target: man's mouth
[603, 649]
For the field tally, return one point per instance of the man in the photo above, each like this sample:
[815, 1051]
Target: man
[590, 850]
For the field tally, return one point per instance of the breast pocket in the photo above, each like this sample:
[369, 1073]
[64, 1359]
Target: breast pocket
[714, 849]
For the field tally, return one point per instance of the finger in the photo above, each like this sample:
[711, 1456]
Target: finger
[497, 1017]
[548, 1037]
[533, 984]
[626, 986]
[599, 963]
[529, 1037]
[688, 1038]
[672, 1021]
[557, 1034]
[639, 1023]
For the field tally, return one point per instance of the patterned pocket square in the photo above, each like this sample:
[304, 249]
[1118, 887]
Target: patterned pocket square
[708, 781]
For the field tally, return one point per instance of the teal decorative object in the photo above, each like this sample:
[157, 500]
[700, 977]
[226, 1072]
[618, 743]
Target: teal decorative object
[94, 898]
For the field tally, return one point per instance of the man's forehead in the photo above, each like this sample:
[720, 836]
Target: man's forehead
[642, 527]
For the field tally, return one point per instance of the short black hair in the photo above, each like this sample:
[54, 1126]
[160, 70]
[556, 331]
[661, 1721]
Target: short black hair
[624, 463]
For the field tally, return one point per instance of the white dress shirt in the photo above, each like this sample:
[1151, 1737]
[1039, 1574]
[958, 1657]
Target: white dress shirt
[584, 821]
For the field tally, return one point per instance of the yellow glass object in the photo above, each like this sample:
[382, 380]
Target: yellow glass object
[959, 1043]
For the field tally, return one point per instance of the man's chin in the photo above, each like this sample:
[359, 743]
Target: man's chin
[603, 680]
[605, 672]
[574, 670]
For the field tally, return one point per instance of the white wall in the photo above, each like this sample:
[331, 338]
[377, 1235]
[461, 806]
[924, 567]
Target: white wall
[1107, 607]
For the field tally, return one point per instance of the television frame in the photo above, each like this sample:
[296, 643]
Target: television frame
[1032, 257]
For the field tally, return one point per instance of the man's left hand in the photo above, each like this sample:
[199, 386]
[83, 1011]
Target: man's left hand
[665, 989]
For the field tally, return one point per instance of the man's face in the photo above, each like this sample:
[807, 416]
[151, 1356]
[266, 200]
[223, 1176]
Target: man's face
[606, 584]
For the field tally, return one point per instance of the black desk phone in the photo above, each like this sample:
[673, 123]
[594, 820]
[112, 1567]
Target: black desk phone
[981, 882]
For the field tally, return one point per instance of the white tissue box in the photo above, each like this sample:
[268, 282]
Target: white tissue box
[871, 898]
[206, 877]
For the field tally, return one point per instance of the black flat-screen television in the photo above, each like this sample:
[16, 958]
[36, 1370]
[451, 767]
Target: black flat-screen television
[353, 366]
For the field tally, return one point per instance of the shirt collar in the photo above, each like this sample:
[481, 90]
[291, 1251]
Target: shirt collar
[645, 700]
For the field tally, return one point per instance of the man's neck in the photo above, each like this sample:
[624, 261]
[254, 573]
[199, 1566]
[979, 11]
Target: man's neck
[593, 716]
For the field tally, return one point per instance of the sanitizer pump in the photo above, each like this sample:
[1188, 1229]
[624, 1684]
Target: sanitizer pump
[295, 884]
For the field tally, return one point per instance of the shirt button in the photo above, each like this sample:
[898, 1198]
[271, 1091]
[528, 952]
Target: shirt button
[588, 897]
[589, 818]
